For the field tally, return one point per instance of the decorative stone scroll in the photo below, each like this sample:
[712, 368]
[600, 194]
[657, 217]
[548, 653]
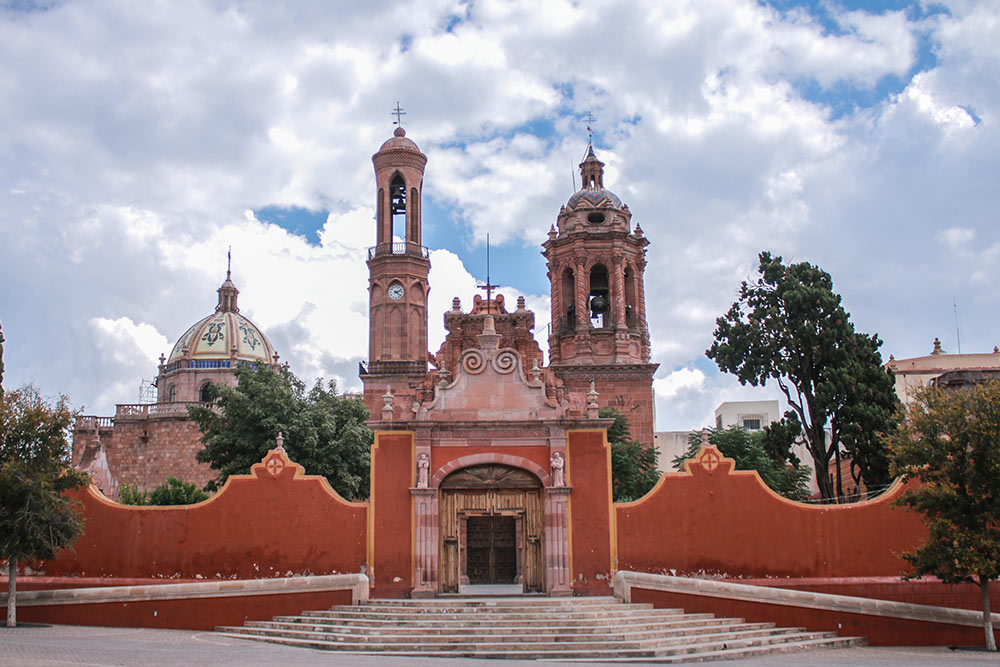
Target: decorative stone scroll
[473, 362]
[505, 362]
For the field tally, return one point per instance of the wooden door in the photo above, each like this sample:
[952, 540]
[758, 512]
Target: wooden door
[492, 549]
[481, 511]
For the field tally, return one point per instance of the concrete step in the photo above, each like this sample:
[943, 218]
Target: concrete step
[580, 629]
[610, 629]
[491, 616]
[527, 636]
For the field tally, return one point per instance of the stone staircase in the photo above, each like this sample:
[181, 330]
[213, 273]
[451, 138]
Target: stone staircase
[539, 628]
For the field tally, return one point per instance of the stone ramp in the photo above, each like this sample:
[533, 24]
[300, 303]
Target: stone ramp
[564, 629]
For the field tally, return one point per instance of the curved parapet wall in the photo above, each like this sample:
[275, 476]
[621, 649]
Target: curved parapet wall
[276, 521]
[712, 519]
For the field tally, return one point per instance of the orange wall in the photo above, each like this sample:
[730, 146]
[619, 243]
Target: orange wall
[588, 471]
[258, 525]
[730, 523]
[391, 546]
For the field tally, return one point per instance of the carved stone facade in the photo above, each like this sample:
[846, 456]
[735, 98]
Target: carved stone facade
[498, 448]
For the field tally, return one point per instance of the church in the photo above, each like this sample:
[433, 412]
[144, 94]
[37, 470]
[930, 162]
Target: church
[490, 446]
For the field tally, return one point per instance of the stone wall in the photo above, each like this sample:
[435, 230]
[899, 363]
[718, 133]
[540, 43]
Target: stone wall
[146, 449]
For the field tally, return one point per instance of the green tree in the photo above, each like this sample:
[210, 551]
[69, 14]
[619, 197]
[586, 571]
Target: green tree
[172, 492]
[36, 520]
[783, 476]
[633, 466]
[324, 432]
[950, 442]
[789, 326]
[131, 494]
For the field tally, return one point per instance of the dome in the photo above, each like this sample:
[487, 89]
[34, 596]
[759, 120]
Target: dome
[399, 142]
[225, 335]
[594, 198]
[214, 337]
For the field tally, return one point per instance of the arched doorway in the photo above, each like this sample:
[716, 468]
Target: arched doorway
[492, 524]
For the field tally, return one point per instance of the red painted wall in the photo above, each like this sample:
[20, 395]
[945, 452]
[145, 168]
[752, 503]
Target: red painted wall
[270, 523]
[588, 471]
[189, 614]
[391, 547]
[724, 522]
[879, 630]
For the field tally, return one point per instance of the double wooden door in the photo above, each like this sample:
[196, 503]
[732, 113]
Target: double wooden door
[491, 534]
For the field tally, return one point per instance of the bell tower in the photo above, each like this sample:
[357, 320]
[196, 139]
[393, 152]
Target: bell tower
[398, 266]
[596, 261]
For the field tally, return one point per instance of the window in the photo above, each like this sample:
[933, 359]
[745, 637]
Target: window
[203, 394]
[751, 424]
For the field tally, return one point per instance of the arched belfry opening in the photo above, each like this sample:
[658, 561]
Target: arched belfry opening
[599, 298]
[397, 207]
[492, 524]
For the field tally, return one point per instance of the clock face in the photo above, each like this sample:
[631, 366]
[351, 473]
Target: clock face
[395, 291]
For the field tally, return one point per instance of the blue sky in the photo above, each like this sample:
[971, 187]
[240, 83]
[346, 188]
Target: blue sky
[139, 142]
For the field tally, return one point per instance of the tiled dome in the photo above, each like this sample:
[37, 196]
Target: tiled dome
[223, 335]
[594, 198]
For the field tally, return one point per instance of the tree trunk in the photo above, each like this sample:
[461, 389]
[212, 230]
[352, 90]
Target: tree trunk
[12, 593]
[984, 592]
[840, 486]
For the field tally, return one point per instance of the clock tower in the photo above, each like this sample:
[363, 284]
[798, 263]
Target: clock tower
[398, 265]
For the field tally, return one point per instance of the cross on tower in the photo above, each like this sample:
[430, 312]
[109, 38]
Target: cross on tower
[229, 262]
[398, 113]
[590, 130]
[489, 287]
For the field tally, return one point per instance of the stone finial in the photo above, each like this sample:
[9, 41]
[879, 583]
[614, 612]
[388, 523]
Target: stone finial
[536, 372]
[279, 442]
[704, 437]
[937, 346]
[489, 339]
[443, 375]
[996, 349]
[552, 230]
[415, 408]
[387, 407]
[456, 304]
[592, 408]
[275, 357]
[638, 229]
[520, 303]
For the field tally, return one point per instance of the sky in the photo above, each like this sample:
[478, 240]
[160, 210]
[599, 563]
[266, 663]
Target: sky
[140, 140]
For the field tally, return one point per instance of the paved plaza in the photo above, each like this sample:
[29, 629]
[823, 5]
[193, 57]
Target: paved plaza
[105, 647]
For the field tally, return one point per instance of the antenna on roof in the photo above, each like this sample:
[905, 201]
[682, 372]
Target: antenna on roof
[958, 336]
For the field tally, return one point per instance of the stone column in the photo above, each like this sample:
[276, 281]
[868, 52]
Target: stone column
[618, 291]
[557, 572]
[580, 298]
[425, 583]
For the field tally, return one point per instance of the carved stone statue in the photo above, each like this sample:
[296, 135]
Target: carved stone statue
[558, 464]
[423, 470]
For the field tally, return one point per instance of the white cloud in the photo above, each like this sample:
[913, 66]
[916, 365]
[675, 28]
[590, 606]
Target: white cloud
[136, 138]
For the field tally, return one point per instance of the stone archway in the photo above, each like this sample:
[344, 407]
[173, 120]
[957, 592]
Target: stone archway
[492, 523]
